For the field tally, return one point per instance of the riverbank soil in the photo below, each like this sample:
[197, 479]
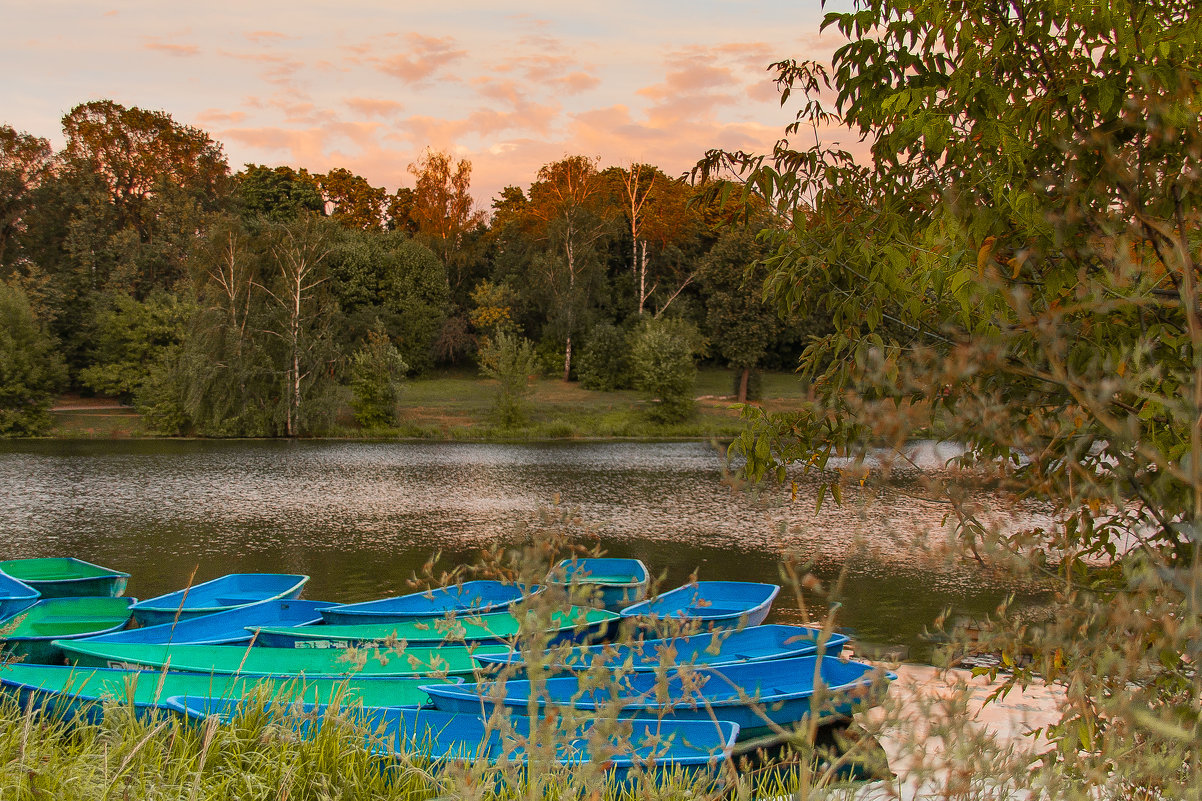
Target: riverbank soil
[102, 418]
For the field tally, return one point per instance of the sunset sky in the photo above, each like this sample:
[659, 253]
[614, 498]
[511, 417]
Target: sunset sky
[367, 84]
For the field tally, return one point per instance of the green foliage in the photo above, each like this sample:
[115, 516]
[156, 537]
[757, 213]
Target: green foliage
[1019, 267]
[279, 194]
[131, 335]
[662, 362]
[31, 371]
[605, 359]
[510, 360]
[376, 372]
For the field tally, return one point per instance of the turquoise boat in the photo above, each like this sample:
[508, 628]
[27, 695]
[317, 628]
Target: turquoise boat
[475, 597]
[15, 596]
[610, 583]
[36, 634]
[65, 577]
[708, 604]
[758, 696]
[450, 660]
[711, 649]
[219, 595]
[655, 749]
[222, 628]
[576, 623]
[70, 692]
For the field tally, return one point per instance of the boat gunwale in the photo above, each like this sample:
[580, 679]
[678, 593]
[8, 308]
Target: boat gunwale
[585, 580]
[105, 572]
[182, 607]
[50, 637]
[633, 611]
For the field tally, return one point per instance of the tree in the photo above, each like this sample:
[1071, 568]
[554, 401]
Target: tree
[661, 361]
[443, 208]
[738, 322]
[564, 201]
[24, 161]
[376, 372]
[279, 194]
[132, 335]
[1017, 268]
[31, 372]
[354, 202]
[510, 360]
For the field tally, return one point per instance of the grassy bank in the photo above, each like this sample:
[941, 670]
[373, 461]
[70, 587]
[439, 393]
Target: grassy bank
[457, 405]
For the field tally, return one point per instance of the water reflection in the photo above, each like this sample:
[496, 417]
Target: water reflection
[360, 517]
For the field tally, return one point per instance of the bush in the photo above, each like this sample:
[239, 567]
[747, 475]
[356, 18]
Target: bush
[511, 360]
[376, 372]
[31, 370]
[605, 360]
[661, 358]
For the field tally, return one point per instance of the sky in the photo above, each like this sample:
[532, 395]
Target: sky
[369, 84]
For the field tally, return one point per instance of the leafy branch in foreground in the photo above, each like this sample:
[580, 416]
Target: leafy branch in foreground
[1017, 270]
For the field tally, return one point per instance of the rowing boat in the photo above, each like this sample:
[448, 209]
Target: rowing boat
[70, 691]
[610, 583]
[711, 649]
[710, 604]
[15, 596]
[66, 577]
[453, 660]
[222, 628]
[470, 596]
[575, 623]
[658, 748]
[35, 634]
[219, 595]
[755, 695]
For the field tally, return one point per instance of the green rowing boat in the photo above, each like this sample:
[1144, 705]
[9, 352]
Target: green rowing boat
[65, 577]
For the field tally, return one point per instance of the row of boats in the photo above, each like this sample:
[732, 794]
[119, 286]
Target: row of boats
[692, 673]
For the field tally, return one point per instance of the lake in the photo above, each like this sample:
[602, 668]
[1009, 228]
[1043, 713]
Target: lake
[361, 517]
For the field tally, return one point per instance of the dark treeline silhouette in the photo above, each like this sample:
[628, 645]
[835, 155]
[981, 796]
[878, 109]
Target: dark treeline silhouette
[139, 266]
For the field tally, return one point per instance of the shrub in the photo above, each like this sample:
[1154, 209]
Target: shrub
[605, 360]
[510, 360]
[31, 371]
[376, 372]
[661, 358]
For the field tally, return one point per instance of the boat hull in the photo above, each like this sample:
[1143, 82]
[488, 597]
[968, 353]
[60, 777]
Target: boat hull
[757, 696]
[38, 631]
[66, 577]
[222, 628]
[15, 596]
[474, 597]
[610, 583]
[708, 604]
[222, 594]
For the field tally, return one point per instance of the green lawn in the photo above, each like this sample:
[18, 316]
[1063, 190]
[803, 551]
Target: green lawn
[457, 404]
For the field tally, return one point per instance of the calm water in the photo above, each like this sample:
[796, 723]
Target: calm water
[361, 517]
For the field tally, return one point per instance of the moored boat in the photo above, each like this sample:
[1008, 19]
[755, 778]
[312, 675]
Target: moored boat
[575, 623]
[66, 577]
[481, 596]
[222, 628]
[710, 649]
[219, 595]
[710, 604]
[15, 595]
[35, 634]
[71, 691]
[755, 695]
[611, 583]
[655, 748]
[451, 660]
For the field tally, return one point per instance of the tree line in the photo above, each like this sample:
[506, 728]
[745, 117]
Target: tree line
[136, 264]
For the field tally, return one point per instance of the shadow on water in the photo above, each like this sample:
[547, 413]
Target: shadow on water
[360, 518]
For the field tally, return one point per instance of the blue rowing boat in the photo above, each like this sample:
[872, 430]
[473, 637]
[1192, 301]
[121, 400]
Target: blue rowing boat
[658, 748]
[609, 583]
[711, 649]
[15, 595]
[70, 692]
[755, 695]
[219, 595]
[66, 577]
[712, 604]
[470, 596]
[222, 628]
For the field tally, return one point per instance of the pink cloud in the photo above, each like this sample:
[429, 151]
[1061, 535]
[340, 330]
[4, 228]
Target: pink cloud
[214, 116]
[170, 48]
[259, 37]
[423, 57]
[373, 107]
